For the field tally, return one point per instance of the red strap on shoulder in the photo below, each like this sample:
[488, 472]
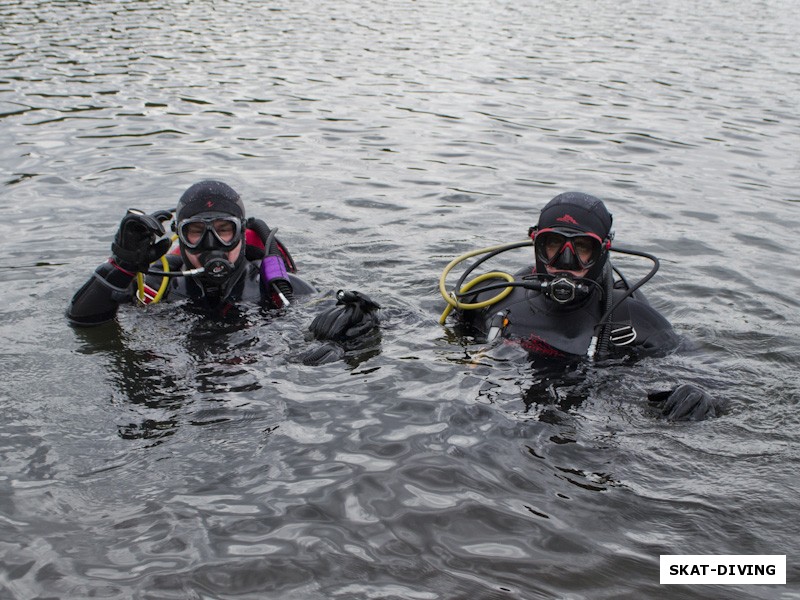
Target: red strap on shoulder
[251, 238]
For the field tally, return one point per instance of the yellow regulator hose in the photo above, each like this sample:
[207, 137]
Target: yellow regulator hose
[452, 299]
[161, 289]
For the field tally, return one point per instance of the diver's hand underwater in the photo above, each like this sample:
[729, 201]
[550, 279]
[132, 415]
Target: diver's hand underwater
[686, 403]
[353, 315]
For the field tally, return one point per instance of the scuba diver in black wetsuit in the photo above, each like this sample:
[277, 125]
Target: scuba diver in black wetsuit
[221, 259]
[569, 305]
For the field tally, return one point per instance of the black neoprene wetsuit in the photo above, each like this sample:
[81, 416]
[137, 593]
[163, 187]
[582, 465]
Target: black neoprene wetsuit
[547, 329]
[100, 297]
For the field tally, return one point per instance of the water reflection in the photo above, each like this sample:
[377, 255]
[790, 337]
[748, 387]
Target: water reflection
[161, 368]
[175, 364]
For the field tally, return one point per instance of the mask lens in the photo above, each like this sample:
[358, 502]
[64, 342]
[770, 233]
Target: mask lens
[587, 249]
[225, 230]
[549, 245]
[192, 233]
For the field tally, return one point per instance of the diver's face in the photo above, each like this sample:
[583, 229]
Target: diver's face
[567, 252]
[232, 256]
[552, 247]
[584, 247]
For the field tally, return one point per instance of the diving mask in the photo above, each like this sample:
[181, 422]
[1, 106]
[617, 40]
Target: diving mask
[210, 232]
[567, 251]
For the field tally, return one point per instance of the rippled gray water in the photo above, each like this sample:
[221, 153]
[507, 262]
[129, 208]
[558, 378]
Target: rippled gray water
[167, 457]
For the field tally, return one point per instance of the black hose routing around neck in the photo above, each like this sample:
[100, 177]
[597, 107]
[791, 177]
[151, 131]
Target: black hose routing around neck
[605, 326]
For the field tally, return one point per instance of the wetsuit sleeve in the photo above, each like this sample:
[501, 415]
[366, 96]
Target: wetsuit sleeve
[300, 287]
[654, 334]
[99, 298]
[472, 322]
[477, 321]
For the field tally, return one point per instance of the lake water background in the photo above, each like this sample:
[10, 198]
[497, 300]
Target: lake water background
[168, 457]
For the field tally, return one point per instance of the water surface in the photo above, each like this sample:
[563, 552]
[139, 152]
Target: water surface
[164, 456]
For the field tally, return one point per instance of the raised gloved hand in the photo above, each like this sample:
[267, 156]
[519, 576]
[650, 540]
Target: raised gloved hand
[353, 316]
[686, 403]
[137, 242]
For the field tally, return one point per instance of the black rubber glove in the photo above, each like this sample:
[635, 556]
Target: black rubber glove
[137, 242]
[686, 403]
[353, 316]
[326, 353]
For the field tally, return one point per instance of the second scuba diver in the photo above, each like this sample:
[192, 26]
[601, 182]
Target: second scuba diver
[569, 303]
[221, 259]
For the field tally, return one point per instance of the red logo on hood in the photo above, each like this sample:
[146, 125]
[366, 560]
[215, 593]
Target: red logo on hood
[210, 204]
[567, 219]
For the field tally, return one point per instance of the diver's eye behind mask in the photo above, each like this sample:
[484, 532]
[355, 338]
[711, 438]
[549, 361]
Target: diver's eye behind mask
[224, 231]
[572, 252]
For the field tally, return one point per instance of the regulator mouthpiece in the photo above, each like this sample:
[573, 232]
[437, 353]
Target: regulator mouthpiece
[216, 266]
[564, 289]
